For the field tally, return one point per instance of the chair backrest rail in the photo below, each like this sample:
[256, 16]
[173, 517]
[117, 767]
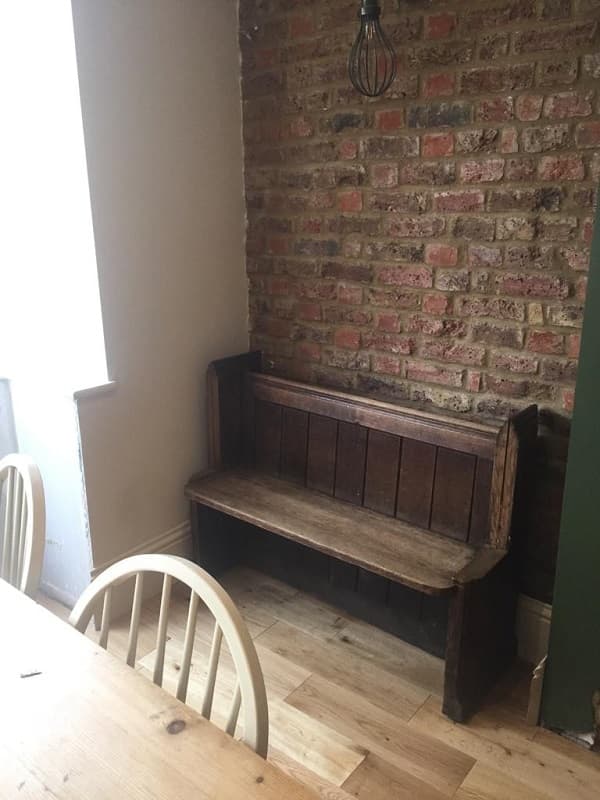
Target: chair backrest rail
[213, 665]
[234, 711]
[188, 647]
[134, 625]
[106, 612]
[161, 633]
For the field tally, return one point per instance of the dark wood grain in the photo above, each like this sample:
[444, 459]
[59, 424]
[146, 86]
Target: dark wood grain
[226, 381]
[415, 482]
[481, 640]
[479, 532]
[381, 478]
[268, 436]
[386, 546]
[350, 463]
[322, 449]
[294, 445]
[459, 433]
[452, 493]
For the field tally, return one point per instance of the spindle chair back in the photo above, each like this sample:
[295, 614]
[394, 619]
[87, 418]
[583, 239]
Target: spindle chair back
[22, 522]
[249, 694]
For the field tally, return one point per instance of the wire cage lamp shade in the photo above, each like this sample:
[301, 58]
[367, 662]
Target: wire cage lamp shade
[372, 65]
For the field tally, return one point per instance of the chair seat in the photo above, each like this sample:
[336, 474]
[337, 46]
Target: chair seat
[404, 553]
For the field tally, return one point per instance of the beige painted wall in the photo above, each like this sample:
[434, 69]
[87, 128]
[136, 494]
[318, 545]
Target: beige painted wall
[161, 108]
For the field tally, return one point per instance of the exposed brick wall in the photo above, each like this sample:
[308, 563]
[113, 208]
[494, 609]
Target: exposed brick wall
[432, 243]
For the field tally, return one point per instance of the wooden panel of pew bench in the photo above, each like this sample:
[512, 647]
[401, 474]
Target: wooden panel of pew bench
[416, 558]
[444, 430]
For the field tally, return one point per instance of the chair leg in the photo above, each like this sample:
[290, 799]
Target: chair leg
[481, 641]
[98, 616]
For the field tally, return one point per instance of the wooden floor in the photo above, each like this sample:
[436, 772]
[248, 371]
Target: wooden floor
[355, 712]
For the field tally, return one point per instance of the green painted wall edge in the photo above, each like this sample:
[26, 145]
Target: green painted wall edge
[573, 669]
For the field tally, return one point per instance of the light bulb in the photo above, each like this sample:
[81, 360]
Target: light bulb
[372, 65]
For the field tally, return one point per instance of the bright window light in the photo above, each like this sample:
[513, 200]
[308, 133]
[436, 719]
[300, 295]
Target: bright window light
[50, 318]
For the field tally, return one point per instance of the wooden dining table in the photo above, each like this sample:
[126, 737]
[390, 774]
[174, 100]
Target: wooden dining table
[77, 723]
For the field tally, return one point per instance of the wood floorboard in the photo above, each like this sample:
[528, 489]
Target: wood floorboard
[343, 668]
[377, 779]
[383, 733]
[356, 712]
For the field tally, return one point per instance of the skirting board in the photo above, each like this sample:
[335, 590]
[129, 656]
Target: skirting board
[533, 629]
[177, 542]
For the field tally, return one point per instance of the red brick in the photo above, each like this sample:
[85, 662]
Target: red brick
[438, 26]
[499, 307]
[388, 342]
[279, 286]
[348, 150]
[533, 285]
[430, 373]
[506, 387]
[308, 351]
[512, 362]
[581, 288]
[587, 230]
[473, 381]
[393, 298]
[568, 399]
[508, 141]
[388, 365]
[278, 245]
[301, 127]
[458, 201]
[438, 144]
[406, 276]
[350, 201]
[456, 353]
[546, 342]
[414, 227]
[437, 327]
[311, 225]
[491, 169]
[384, 175]
[441, 255]
[495, 109]
[505, 78]
[309, 311]
[389, 120]
[389, 323]
[573, 345]
[482, 256]
[436, 304]
[439, 84]
[588, 134]
[302, 25]
[561, 168]
[568, 104]
[266, 57]
[529, 107]
[350, 295]
[347, 338]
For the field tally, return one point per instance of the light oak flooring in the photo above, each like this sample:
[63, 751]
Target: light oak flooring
[355, 712]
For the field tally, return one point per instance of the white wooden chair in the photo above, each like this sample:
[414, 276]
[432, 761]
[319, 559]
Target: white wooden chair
[22, 522]
[250, 687]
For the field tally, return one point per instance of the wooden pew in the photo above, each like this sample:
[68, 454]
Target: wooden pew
[379, 507]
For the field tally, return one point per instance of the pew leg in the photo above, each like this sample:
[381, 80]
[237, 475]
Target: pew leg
[481, 643]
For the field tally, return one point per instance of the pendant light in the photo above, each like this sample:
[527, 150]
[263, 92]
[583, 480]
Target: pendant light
[372, 66]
